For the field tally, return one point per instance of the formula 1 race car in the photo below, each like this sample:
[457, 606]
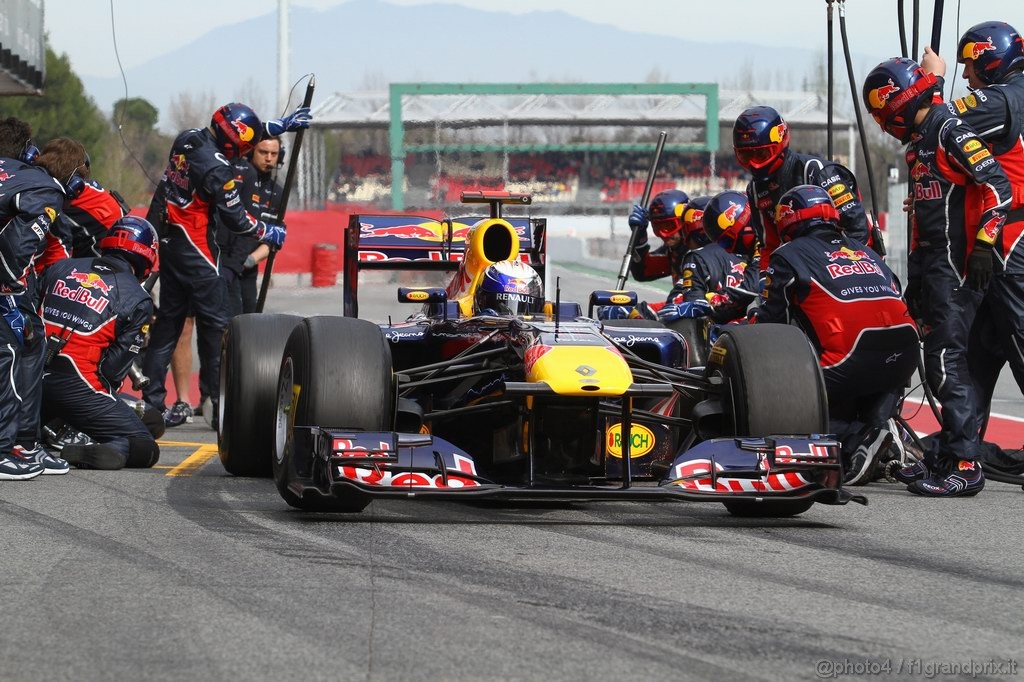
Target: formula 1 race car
[453, 403]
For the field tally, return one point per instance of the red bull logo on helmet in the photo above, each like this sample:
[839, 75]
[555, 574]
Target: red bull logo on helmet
[784, 212]
[727, 218]
[245, 133]
[777, 133]
[879, 96]
[975, 50]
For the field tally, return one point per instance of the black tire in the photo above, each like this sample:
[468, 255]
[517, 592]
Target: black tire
[335, 372]
[776, 386]
[694, 331]
[250, 358]
[767, 509]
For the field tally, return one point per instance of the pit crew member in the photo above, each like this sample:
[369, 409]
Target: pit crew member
[96, 315]
[708, 269]
[849, 304]
[992, 54]
[30, 201]
[760, 140]
[197, 183]
[960, 196]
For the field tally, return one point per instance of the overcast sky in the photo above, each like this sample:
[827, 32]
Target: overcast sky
[146, 29]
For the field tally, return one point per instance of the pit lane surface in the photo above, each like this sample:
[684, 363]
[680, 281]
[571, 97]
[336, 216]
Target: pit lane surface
[185, 572]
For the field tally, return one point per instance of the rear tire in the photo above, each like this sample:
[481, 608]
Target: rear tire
[694, 331]
[250, 358]
[336, 372]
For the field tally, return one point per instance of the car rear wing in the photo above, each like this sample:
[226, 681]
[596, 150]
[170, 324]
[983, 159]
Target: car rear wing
[410, 242]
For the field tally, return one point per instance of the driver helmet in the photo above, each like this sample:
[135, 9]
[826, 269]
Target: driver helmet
[509, 288]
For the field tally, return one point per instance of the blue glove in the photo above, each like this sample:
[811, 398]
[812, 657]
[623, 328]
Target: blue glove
[638, 218]
[613, 312]
[14, 318]
[670, 312]
[299, 118]
[271, 234]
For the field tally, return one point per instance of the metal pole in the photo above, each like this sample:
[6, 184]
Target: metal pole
[282, 56]
[879, 246]
[903, 28]
[289, 180]
[830, 79]
[624, 269]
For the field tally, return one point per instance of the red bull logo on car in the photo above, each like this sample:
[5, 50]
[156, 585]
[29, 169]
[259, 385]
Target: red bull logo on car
[975, 50]
[857, 262]
[879, 96]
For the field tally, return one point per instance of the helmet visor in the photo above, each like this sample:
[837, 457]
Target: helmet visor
[666, 227]
[508, 303]
[755, 157]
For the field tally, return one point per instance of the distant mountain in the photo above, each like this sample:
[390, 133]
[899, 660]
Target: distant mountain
[366, 44]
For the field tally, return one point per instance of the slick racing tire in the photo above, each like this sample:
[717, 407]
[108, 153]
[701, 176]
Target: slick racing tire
[775, 387]
[775, 382]
[767, 509]
[694, 331]
[250, 357]
[336, 372]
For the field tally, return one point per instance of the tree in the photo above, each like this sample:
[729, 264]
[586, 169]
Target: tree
[192, 110]
[138, 152]
[64, 110]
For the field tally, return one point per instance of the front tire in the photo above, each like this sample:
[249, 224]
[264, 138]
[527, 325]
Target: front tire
[775, 387]
[250, 358]
[336, 372]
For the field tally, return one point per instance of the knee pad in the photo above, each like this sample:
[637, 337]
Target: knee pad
[153, 420]
[95, 456]
[142, 453]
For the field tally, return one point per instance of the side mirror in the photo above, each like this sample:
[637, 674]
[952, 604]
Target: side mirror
[610, 297]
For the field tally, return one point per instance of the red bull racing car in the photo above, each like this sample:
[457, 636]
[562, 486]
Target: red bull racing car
[454, 404]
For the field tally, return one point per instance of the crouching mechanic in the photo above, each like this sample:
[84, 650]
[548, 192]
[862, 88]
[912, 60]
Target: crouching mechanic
[848, 302]
[708, 271]
[96, 315]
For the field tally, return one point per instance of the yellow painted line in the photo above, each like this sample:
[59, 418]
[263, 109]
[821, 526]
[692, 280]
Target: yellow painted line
[195, 461]
[181, 443]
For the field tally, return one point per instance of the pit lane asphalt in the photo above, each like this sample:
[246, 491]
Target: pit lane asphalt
[200, 575]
